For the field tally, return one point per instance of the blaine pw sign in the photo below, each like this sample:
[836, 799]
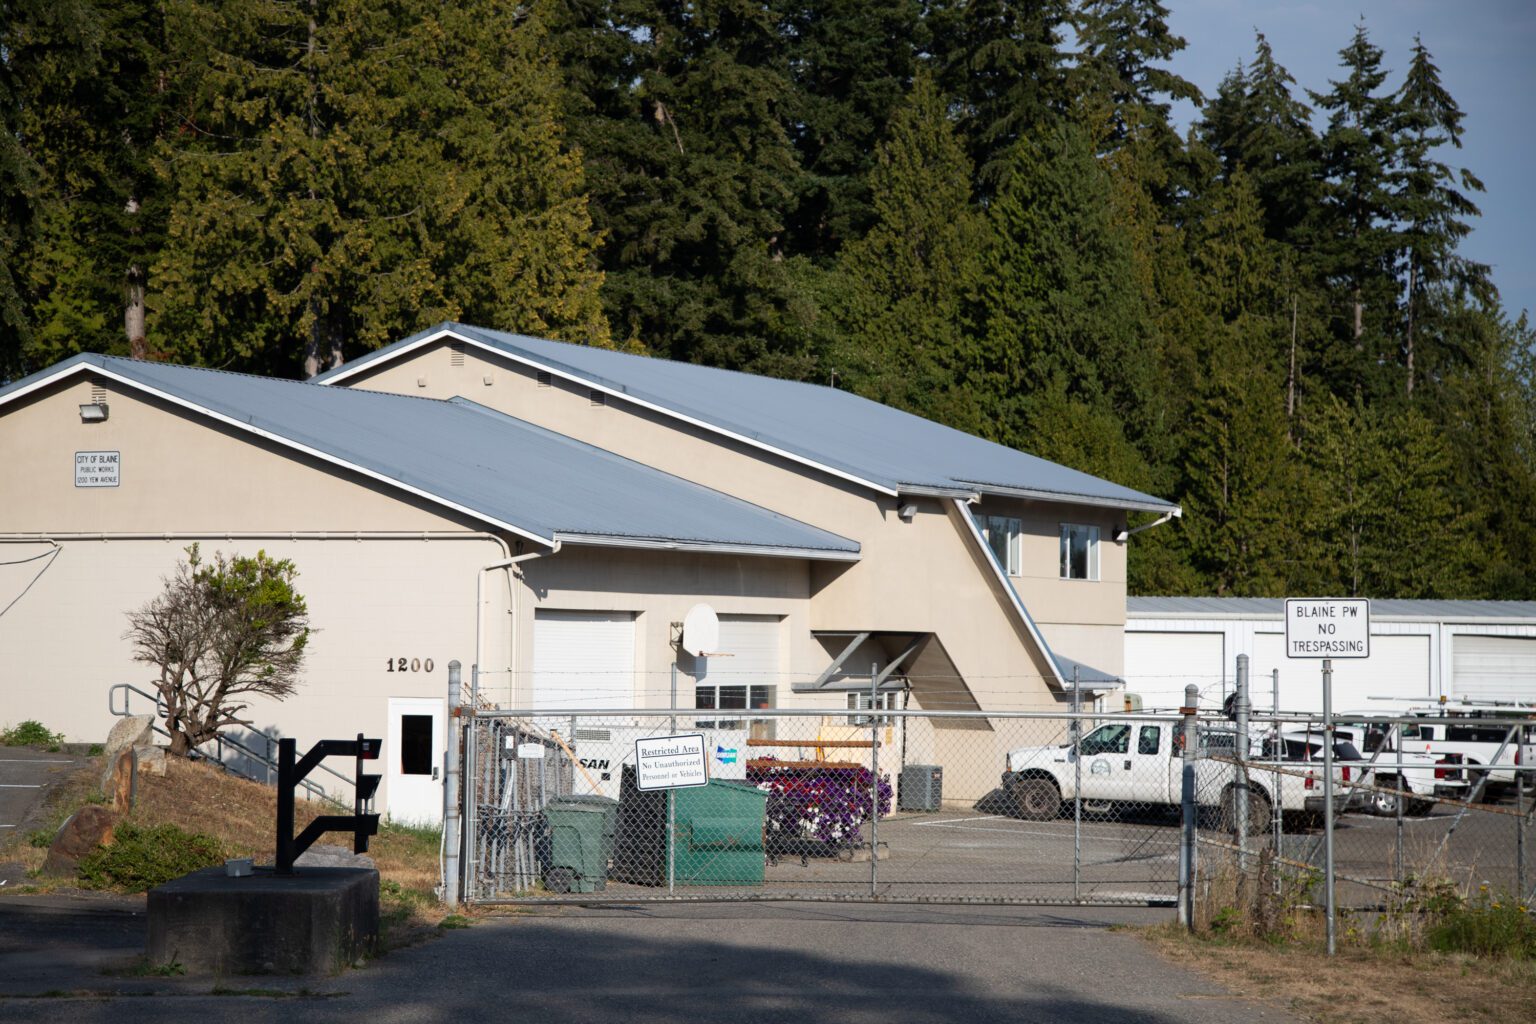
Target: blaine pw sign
[1327, 628]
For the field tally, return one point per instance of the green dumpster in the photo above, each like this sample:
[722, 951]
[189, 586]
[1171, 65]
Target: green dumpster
[719, 834]
[580, 842]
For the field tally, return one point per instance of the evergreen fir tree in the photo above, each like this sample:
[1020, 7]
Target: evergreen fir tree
[895, 304]
[1353, 233]
[851, 64]
[354, 172]
[1001, 63]
[1431, 202]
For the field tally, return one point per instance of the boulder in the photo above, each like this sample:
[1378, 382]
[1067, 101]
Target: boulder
[151, 760]
[89, 827]
[328, 855]
[132, 731]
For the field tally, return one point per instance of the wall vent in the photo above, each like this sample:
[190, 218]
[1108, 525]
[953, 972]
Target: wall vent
[598, 398]
[456, 354]
[98, 390]
[545, 380]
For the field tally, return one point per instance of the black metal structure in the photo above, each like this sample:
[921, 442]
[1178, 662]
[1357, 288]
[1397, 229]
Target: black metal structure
[291, 771]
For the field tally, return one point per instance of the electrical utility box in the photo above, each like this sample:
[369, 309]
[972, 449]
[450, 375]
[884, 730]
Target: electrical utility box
[922, 788]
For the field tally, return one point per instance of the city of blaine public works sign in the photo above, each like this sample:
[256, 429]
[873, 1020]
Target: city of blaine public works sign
[1327, 627]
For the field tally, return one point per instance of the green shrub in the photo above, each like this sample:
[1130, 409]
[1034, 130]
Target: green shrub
[142, 857]
[1488, 925]
[30, 734]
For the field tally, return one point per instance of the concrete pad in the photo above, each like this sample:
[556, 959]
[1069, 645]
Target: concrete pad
[316, 921]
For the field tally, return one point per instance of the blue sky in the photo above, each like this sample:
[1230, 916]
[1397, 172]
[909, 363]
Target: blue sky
[1486, 51]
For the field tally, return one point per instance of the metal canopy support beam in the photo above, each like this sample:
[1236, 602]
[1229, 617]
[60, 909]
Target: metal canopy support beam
[897, 661]
[837, 663]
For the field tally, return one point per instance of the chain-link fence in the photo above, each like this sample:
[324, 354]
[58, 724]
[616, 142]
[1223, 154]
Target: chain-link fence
[1426, 809]
[1042, 808]
[872, 804]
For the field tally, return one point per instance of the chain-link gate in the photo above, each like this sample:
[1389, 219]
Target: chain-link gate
[868, 805]
[1411, 829]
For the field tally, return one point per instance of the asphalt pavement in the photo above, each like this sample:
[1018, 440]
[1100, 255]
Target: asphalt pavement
[804, 963]
[25, 777]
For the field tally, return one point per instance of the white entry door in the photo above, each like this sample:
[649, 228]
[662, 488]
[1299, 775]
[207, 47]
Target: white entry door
[414, 752]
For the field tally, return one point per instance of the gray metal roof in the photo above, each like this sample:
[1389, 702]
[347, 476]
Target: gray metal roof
[837, 430]
[1274, 608]
[494, 467]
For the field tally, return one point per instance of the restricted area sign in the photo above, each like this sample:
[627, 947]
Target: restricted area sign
[1327, 627]
[670, 762]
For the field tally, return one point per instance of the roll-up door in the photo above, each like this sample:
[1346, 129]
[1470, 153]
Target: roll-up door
[583, 659]
[1398, 669]
[744, 673]
[1159, 665]
[1493, 667]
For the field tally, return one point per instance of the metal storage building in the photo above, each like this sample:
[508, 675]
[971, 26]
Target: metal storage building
[1420, 650]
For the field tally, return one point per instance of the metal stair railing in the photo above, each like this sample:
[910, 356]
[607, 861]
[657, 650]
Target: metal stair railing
[219, 756]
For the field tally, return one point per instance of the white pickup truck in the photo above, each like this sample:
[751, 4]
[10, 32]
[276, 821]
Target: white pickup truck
[1137, 763]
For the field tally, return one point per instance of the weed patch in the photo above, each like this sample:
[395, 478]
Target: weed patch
[31, 733]
[142, 857]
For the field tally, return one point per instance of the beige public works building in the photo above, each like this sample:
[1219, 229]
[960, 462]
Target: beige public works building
[545, 514]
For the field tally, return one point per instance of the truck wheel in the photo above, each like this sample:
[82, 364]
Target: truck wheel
[1385, 804]
[1258, 812]
[1036, 799]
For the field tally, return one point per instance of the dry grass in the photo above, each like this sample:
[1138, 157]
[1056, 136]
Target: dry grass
[1361, 985]
[80, 788]
[242, 815]
[1263, 939]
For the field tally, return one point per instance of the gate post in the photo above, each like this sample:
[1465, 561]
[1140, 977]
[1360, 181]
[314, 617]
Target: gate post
[874, 784]
[451, 790]
[1240, 710]
[1187, 862]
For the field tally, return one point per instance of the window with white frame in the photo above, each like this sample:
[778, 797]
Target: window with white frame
[1079, 552]
[1004, 537]
[860, 701]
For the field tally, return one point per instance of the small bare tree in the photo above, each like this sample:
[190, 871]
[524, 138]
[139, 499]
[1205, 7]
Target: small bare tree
[219, 633]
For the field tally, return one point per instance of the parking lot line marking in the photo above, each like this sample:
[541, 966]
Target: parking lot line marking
[36, 760]
[955, 821]
[20, 785]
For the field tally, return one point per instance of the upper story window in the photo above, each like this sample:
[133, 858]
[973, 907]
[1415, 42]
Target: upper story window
[1079, 552]
[1003, 535]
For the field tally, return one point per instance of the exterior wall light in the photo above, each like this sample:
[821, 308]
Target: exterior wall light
[907, 512]
[93, 412]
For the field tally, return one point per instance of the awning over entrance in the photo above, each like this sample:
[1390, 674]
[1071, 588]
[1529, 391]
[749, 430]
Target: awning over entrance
[916, 662]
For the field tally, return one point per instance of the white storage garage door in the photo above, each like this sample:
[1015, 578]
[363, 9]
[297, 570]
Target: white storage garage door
[583, 660]
[1493, 667]
[745, 672]
[1398, 668]
[1159, 665]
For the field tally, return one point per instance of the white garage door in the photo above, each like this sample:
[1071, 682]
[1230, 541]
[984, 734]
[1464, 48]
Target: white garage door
[1159, 665]
[583, 660]
[1493, 667]
[1398, 668]
[745, 670]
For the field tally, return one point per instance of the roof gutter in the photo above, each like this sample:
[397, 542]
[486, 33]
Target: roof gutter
[1017, 602]
[1064, 497]
[603, 540]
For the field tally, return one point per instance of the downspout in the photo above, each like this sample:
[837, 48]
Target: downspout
[1124, 535]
